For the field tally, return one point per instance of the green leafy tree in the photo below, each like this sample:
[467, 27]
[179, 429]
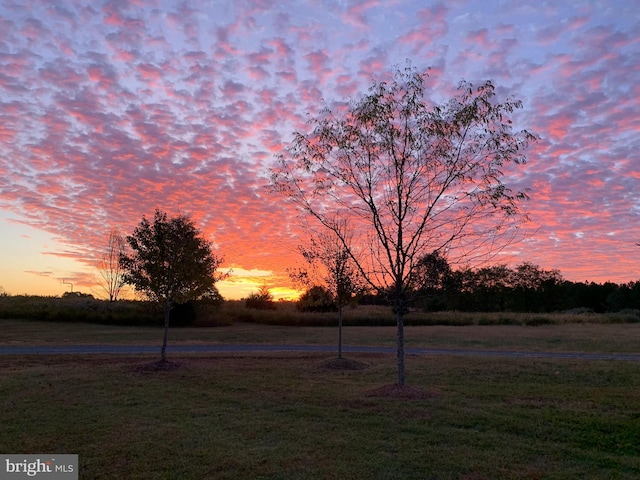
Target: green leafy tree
[170, 262]
[411, 178]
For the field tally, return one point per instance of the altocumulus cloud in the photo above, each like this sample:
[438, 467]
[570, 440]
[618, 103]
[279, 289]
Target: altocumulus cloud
[112, 109]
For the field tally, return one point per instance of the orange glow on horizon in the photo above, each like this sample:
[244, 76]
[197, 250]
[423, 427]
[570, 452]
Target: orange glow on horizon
[185, 106]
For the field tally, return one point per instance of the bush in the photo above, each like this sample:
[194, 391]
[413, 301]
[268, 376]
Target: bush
[316, 299]
[260, 300]
[628, 315]
[80, 308]
[578, 311]
[201, 313]
[539, 320]
[211, 316]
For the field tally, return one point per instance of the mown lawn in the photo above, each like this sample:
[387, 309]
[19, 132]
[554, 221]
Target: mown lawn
[287, 416]
[576, 337]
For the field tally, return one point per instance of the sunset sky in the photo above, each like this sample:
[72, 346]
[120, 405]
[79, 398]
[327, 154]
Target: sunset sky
[111, 108]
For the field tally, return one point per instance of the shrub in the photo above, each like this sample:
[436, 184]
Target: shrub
[260, 300]
[628, 315]
[79, 308]
[316, 299]
[539, 320]
[579, 311]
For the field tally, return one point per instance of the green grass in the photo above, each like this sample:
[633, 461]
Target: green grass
[588, 337]
[284, 417]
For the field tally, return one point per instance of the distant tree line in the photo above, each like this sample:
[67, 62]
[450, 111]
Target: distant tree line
[525, 288]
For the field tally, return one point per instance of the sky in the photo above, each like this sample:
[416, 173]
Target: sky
[110, 109]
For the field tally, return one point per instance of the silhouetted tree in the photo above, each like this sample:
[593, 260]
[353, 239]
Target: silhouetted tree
[410, 178]
[432, 272]
[260, 300]
[328, 253]
[109, 266]
[433, 276]
[533, 287]
[492, 286]
[170, 262]
[316, 299]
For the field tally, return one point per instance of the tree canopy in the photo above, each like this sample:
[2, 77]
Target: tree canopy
[409, 177]
[170, 262]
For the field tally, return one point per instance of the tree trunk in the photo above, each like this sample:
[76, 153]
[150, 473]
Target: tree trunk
[400, 322]
[340, 330]
[167, 314]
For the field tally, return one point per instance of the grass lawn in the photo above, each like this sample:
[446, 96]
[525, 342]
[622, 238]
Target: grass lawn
[289, 416]
[578, 337]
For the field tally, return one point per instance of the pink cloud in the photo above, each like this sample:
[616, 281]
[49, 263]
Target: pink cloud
[114, 16]
[318, 61]
[33, 29]
[356, 14]
[113, 113]
[431, 26]
[479, 38]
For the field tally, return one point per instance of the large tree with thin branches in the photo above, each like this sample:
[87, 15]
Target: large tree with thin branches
[411, 177]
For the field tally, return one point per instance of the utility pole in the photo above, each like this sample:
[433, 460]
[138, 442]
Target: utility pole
[64, 282]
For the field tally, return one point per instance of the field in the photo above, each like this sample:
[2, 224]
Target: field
[74, 309]
[298, 416]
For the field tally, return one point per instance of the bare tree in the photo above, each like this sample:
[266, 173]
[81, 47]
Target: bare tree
[411, 178]
[338, 272]
[109, 267]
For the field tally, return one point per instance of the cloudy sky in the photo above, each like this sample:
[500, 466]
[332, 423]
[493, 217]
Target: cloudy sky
[111, 108]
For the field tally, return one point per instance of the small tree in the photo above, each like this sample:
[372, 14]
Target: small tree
[109, 266]
[170, 263]
[339, 272]
[411, 178]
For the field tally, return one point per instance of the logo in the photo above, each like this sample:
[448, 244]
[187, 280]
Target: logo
[49, 467]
